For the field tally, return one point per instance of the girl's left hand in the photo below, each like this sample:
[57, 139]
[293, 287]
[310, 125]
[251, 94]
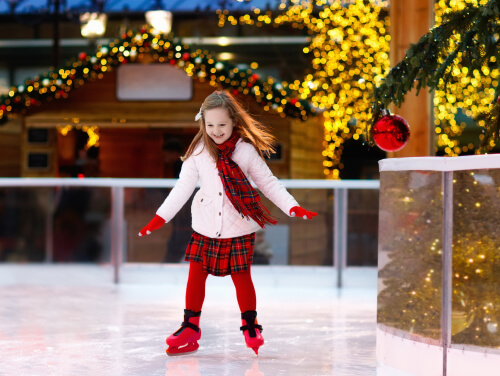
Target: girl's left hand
[301, 212]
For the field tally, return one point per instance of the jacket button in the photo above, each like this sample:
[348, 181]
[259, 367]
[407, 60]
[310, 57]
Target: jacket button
[220, 193]
[201, 200]
[218, 235]
[220, 213]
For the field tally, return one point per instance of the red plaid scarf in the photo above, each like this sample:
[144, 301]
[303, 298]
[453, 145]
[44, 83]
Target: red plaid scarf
[243, 196]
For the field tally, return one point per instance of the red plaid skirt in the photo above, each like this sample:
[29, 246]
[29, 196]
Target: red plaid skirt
[221, 257]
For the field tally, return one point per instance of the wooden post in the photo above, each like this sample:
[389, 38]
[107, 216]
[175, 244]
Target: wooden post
[410, 19]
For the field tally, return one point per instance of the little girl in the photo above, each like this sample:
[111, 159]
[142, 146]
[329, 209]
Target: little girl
[226, 211]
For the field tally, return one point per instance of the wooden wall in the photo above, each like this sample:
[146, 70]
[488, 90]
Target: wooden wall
[95, 103]
[410, 19]
[306, 144]
[130, 153]
[131, 132]
[10, 148]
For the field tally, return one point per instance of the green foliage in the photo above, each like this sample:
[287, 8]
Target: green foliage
[429, 62]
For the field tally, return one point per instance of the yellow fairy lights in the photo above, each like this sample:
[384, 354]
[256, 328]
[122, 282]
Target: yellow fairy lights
[141, 47]
[349, 53]
[471, 94]
[92, 133]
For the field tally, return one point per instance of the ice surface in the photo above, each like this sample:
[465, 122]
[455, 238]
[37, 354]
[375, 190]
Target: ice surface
[60, 326]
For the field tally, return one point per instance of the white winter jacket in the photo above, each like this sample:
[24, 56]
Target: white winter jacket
[212, 213]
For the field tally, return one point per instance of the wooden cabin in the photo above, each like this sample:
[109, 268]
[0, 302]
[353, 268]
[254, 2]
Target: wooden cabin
[133, 127]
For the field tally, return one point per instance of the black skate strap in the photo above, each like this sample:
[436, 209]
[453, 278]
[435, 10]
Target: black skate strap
[251, 329]
[187, 324]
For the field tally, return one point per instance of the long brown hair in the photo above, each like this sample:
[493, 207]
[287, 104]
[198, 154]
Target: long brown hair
[249, 129]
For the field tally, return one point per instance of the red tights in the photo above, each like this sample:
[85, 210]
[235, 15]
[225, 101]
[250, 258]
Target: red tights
[195, 290]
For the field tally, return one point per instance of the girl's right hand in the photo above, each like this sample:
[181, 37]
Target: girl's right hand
[154, 224]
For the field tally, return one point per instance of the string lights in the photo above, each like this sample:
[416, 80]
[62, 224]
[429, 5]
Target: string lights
[134, 46]
[472, 95]
[349, 53]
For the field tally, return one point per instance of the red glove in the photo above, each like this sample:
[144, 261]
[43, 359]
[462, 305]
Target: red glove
[301, 212]
[155, 224]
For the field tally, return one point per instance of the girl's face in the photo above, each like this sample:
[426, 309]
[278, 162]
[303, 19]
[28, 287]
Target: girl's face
[218, 125]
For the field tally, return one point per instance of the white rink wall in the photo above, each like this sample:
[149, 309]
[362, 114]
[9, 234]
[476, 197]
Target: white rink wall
[298, 276]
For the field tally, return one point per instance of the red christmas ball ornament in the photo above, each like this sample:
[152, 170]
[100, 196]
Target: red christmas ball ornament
[293, 101]
[235, 92]
[391, 133]
[186, 56]
[82, 56]
[172, 62]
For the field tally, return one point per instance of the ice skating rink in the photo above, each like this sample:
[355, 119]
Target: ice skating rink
[71, 320]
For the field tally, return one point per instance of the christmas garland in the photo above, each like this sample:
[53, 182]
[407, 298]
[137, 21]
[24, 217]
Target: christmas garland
[429, 62]
[130, 48]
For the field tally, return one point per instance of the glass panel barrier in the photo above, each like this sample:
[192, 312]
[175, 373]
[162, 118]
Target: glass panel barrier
[23, 219]
[70, 220]
[309, 242]
[410, 252]
[63, 224]
[362, 228]
[82, 230]
[290, 242]
[475, 315]
[168, 244]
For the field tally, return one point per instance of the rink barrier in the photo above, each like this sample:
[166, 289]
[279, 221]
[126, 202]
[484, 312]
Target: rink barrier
[117, 186]
[417, 353]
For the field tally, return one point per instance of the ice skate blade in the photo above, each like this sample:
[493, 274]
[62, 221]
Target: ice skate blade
[189, 348]
[255, 349]
[255, 345]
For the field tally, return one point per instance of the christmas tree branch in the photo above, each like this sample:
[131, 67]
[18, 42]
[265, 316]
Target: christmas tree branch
[492, 127]
[429, 63]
